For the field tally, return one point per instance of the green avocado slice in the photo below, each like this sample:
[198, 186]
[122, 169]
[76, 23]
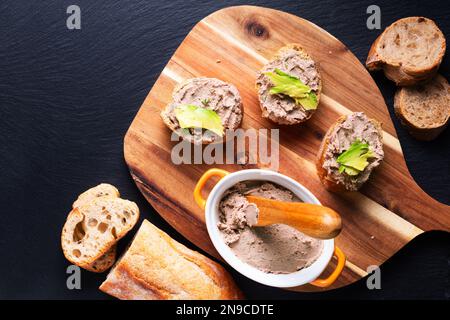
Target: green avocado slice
[293, 87]
[191, 116]
[354, 160]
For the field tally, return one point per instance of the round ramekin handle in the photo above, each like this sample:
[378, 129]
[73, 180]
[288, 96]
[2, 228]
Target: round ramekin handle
[323, 283]
[201, 202]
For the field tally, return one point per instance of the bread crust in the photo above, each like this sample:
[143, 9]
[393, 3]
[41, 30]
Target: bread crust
[157, 267]
[404, 75]
[306, 55]
[104, 262]
[327, 182]
[423, 134]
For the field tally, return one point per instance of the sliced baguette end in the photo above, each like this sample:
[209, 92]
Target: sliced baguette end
[430, 97]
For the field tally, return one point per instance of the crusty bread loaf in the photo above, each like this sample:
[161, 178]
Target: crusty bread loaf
[409, 51]
[157, 267]
[424, 109]
[102, 190]
[93, 229]
[272, 105]
[328, 180]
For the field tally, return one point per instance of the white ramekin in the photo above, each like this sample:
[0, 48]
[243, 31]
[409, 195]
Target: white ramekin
[211, 207]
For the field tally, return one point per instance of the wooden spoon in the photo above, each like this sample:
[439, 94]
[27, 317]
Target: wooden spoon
[314, 220]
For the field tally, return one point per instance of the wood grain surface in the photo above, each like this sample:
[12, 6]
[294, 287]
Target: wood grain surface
[387, 213]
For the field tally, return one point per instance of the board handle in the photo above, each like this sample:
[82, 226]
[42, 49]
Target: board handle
[201, 202]
[323, 283]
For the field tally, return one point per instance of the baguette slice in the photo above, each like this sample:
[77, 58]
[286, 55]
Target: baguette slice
[331, 148]
[156, 267]
[425, 109]
[93, 229]
[102, 190]
[280, 109]
[209, 93]
[409, 51]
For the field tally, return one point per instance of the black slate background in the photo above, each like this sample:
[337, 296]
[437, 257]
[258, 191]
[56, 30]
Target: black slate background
[67, 98]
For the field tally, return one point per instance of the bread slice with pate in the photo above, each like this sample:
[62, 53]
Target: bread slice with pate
[203, 109]
[289, 86]
[351, 149]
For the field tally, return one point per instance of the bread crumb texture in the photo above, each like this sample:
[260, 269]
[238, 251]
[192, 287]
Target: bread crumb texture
[426, 106]
[414, 42]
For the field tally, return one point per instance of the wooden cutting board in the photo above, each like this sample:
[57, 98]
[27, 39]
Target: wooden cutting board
[232, 44]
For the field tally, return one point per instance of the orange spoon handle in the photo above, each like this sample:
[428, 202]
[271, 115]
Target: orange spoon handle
[314, 220]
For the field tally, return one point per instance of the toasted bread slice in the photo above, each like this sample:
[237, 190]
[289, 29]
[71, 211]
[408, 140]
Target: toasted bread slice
[156, 267]
[208, 93]
[424, 109]
[102, 190]
[92, 230]
[409, 51]
[337, 139]
[294, 60]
